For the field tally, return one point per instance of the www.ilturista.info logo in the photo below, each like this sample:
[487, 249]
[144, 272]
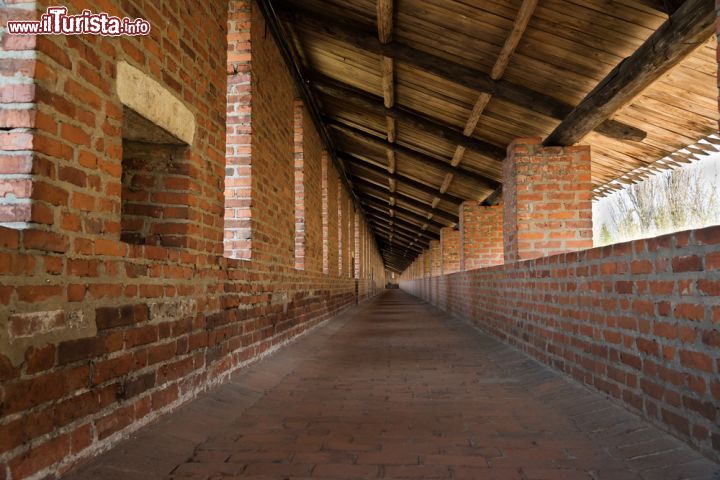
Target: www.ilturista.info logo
[56, 21]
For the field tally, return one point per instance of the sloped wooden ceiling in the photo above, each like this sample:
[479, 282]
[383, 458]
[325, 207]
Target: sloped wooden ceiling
[421, 97]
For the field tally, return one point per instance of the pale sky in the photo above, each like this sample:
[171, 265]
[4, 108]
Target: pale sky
[710, 168]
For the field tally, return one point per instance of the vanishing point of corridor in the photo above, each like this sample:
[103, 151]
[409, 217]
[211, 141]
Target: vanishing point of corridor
[397, 389]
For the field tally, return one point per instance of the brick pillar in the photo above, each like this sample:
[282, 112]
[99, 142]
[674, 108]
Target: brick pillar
[481, 236]
[238, 214]
[27, 200]
[547, 194]
[435, 259]
[427, 264]
[450, 250]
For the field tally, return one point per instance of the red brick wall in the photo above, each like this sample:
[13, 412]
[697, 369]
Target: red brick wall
[450, 250]
[547, 194]
[298, 155]
[481, 236]
[18, 116]
[99, 336]
[238, 167]
[436, 259]
[330, 212]
[273, 204]
[308, 192]
[637, 321]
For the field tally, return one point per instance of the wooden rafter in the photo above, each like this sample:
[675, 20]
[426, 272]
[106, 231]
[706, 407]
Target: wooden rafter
[294, 63]
[346, 32]
[356, 134]
[399, 210]
[686, 29]
[435, 212]
[382, 213]
[416, 120]
[501, 63]
[366, 164]
[397, 227]
[385, 25]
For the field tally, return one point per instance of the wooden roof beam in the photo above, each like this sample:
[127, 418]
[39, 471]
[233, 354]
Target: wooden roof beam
[382, 215]
[414, 119]
[373, 195]
[370, 200]
[408, 243]
[527, 8]
[399, 177]
[369, 139]
[349, 33]
[397, 243]
[398, 261]
[400, 235]
[382, 190]
[688, 28]
[413, 236]
[294, 65]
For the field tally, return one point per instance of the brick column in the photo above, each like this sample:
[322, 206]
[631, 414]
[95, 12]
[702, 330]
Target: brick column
[450, 250]
[427, 264]
[238, 168]
[547, 200]
[435, 258]
[481, 236]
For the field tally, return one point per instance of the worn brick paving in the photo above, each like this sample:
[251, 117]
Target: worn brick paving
[397, 389]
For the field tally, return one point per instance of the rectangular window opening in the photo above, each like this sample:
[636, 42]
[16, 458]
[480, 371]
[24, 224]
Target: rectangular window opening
[156, 185]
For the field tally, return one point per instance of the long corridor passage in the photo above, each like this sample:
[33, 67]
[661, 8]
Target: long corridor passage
[396, 389]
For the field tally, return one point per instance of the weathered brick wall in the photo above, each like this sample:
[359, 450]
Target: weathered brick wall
[481, 236]
[238, 156]
[308, 191]
[450, 250]
[18, 116]
[273, 212]
[637, 321]
[97, 336]
[330, 186]
[547, 195]
[435, 258]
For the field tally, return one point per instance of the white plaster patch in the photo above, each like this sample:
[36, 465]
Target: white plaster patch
[76, 319]
[153, 101]
[169, 311]
[23, 325]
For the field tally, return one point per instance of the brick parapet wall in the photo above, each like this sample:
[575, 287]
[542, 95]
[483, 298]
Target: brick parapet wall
[436, 259]
[450, 250]
[97, 336]
[18, 118]
[637, 321]
[238, 156]
[481, 236]
[547, 195]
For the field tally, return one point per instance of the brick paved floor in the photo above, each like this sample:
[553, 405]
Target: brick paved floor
[396, 389]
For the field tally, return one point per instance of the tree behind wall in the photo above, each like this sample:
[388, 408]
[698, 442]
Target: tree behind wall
[668, 202]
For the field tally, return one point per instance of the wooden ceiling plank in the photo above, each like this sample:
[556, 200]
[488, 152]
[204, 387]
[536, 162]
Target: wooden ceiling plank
[525, 13]
[346, 32]
[400, 178]
[407, 116]
[382, 214]
[382, 197]
[453, 218]
[374, 201]
[408, 239]
[686, 29]
[446, 167]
